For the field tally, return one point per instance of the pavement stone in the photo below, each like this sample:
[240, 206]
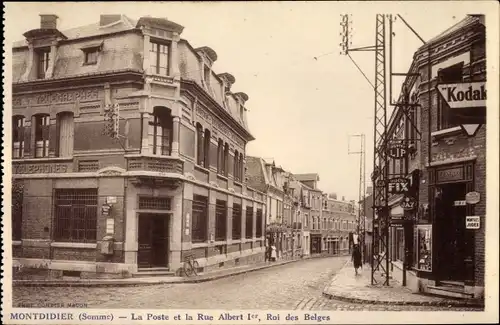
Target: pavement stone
[348, 287]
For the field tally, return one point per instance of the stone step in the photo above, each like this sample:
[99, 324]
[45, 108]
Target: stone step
[449, 291]
[150, 272]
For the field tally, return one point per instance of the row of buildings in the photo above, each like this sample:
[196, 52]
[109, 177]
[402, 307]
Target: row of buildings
[129, 155]
[438, 240]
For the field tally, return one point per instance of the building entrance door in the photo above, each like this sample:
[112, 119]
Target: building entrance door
[450, 236]
[153, 240]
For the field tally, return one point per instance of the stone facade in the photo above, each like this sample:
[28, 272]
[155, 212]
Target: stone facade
[91, 202]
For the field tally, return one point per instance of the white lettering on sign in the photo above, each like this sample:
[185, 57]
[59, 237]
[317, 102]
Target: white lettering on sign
[459, 203]
[472, 222]
[458, 95]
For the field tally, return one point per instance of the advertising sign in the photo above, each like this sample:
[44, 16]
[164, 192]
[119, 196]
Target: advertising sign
[408, 203]
[472, 198]
[397, 149]
[472, 222]
[398, 185]
[464, 95]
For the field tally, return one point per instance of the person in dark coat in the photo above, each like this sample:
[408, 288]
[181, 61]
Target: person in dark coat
[356, 258]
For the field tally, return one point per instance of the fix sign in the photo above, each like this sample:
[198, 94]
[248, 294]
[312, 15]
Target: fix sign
[462, 95]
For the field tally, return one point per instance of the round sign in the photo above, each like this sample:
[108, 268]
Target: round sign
[472, 197]
[408, 203]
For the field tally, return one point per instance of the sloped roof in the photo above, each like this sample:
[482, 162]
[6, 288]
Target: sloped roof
[307, 177]
[468, 21]
[94, 29]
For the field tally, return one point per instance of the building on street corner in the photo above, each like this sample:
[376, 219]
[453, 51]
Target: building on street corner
[440, 238]
[172, 183]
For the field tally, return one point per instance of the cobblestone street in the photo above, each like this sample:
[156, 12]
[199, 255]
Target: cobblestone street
[293, 286]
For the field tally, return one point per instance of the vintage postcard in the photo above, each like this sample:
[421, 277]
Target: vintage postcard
[269, 162]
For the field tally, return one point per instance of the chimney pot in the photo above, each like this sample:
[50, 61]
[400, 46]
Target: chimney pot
[109, 19]
[48, 21]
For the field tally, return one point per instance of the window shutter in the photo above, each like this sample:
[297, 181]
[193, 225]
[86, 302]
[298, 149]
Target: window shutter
[50, 133]
[27, 141]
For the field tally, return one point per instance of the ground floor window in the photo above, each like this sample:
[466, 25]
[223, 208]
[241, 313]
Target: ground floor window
[220, 220]
[199, 219]
[423, 247]
[249, 223]
[399, 249]
[76, 215]
[17, 210]
[236, 229]
[258, 230]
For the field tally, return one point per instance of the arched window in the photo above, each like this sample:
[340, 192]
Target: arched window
[199, 144]
[236, 171]
[66, 133]
[206, 138]
[220, 157]
[161, 130]
[226, 159]
[42, 123]
[18, 124]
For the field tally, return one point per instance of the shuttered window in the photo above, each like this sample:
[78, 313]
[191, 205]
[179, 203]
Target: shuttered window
[76, 215]
[220, 220]
[42, 123]
[199, 224]
[236, 230]
[249, 223]
[18, 124]
[66, 134]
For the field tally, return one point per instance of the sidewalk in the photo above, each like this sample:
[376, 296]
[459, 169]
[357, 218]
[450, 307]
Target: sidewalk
[346, 286]
[153, 280]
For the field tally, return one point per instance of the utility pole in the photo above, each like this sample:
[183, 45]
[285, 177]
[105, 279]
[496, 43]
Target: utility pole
[362, 190]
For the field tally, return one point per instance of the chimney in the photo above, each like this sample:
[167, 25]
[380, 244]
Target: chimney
[48, 21]
[109, 19]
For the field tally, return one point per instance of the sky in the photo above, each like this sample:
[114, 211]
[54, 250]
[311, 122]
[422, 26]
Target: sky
[302, 110]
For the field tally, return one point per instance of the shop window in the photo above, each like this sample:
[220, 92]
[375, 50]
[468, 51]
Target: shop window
[206, 161]
[220, 220]
[452, 74]
[66, 129]
[249, 223]
[42, 123]
[43, 62]
[423, 247]
[400, 245]
[161, 131]
[17, 209]
[259, 221]
[159, 58]
[200, 144]
[199, 219]
[75, 215]
[236, 229]
[18, 124]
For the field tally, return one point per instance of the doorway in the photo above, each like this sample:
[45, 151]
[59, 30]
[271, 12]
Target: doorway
[450, 232]
[153, 240]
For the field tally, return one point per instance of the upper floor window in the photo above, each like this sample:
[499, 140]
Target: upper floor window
[220, 157]
[91, 56]
[66, 133]
[42, 123]
[158, 57]
[241, 112]
[226, 159]
[160, 129]
[206, 75]
[18, 123]
[236, 169]
[200, 144]
[452, 74]
[43, 61]
[206, 139]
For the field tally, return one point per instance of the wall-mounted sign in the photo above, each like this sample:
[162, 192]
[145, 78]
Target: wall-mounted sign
[105, 210]
[408, 203]
[472, 197]
[398, 185]
[459, 203]
[472, 222]
[451, 174]
[110, 226]
[111, 200]
[397, 149]
[468, 94]
[40, 168]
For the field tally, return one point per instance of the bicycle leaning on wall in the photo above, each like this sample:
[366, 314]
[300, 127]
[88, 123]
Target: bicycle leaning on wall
[190, 266]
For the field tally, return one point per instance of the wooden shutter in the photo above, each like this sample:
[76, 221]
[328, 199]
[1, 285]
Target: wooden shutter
[51, 133]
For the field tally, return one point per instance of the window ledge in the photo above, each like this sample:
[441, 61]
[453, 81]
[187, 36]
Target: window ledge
[17, 243]
[44, 159]
[89, 63]
[199, 245]
[73, 245]
[222, 177]
[201, 168]
[235, 182]
[139, 155]
[446, 132]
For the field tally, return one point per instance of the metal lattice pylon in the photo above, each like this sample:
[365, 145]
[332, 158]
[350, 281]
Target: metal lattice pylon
[380, 243]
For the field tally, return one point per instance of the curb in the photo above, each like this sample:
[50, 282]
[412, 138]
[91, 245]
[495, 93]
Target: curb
[446, 303]
[28, 283]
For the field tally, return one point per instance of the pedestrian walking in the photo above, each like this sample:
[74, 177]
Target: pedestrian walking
[273, 253]
[356, 258]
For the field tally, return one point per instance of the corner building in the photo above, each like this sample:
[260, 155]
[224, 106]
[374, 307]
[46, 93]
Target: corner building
[171, 186]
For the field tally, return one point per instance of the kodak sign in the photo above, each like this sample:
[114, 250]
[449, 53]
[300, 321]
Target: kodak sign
[464, 95]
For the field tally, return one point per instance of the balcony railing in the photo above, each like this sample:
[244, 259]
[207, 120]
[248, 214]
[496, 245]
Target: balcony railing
[153, 164]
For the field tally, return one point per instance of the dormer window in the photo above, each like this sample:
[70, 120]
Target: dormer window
[158, 58]
[91, 56]
[43, 56]
[241, 112]
[206, 75]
